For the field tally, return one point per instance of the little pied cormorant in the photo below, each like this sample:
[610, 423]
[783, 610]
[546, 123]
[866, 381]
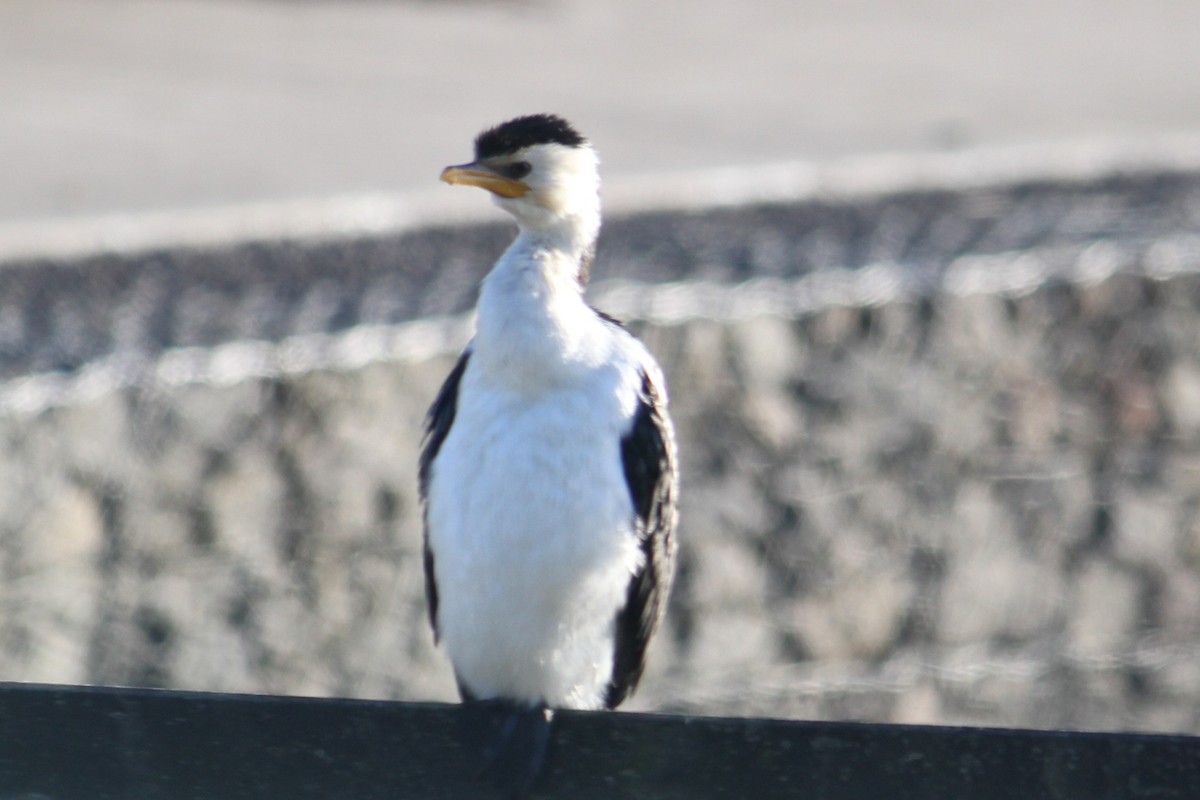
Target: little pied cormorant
[548, 470]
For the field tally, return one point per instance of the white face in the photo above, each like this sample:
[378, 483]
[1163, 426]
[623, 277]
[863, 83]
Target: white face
[563, 184]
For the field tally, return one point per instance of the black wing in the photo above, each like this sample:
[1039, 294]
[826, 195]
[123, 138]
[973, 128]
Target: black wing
[437, 427]
[648, 455]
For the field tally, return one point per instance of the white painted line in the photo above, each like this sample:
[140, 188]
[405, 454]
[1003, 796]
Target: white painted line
[378, 214]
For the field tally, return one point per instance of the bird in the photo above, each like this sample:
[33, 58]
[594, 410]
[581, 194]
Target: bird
[548, 469]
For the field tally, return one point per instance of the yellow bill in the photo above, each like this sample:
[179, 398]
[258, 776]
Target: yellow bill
[484, 178]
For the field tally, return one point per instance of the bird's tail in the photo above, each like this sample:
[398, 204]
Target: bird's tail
[511, 738]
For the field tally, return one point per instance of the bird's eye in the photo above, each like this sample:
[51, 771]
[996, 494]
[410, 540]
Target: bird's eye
[518, 169]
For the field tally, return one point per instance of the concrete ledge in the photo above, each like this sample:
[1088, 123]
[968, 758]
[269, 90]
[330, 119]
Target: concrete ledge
[80, 743]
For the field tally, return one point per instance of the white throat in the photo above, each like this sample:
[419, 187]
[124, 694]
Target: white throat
[532, 321]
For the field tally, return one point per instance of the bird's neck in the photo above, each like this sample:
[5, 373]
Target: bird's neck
[573, 235]
[532, 321]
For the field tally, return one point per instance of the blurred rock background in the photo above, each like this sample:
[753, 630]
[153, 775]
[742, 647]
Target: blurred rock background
[938, 413]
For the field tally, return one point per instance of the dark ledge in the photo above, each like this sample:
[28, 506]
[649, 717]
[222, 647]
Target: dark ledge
[65, 742]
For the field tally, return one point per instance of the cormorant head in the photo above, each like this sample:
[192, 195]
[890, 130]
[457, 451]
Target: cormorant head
[539, 169]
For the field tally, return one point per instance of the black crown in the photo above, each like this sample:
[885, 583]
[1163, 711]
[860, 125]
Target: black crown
[516, 134]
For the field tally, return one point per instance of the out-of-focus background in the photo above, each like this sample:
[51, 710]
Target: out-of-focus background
[923, 276]
[152, 104]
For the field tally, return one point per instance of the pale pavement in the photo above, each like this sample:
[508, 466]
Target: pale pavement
[119, 105]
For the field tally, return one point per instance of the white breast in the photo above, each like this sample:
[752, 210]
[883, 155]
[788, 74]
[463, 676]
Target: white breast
[530, 521]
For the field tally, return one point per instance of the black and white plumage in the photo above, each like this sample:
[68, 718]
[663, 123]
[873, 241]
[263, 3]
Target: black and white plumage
[548, 473]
